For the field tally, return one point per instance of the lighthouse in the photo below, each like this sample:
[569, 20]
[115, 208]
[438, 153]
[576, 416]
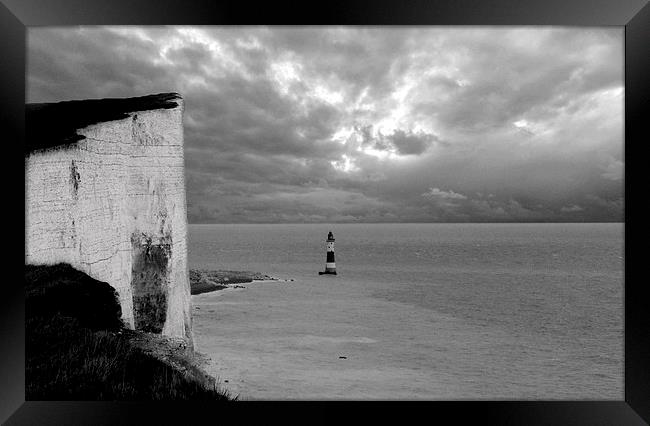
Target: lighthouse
[330, 266]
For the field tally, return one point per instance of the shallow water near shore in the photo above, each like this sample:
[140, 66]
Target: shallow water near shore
[418, 311]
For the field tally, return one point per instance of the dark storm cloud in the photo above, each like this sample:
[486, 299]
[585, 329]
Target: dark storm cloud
[67, 63]
[369, 124]
[399, 142]
[508, 78]
[410, 143]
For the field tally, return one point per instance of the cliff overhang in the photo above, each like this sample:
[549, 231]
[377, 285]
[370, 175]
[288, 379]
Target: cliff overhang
[52, 124]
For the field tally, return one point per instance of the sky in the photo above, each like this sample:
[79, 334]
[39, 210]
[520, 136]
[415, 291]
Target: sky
[369, 124]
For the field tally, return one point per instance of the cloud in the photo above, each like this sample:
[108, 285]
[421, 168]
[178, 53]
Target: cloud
[571, 209]
[614, 170]
[399, 142]
[357, 123]
[437, 194]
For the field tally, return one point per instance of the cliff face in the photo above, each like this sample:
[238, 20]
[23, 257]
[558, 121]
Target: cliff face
[110, 201]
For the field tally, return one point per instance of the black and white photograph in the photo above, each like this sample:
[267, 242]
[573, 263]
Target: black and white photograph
[338, 212]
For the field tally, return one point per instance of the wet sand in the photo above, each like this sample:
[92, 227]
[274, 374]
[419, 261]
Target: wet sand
[309, 341]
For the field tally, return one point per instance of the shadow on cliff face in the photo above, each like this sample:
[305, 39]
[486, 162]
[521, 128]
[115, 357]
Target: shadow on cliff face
[76, 347]
[150, 282]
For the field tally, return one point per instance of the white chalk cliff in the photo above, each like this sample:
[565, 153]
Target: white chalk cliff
[110, 201]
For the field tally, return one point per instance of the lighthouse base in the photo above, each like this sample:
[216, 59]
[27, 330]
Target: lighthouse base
[327, 273]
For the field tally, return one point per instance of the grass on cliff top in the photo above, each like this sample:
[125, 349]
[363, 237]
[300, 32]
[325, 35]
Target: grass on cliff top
[77, 348]
[51, 124]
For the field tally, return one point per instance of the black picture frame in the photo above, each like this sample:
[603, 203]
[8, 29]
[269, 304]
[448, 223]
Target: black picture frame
[17, 15]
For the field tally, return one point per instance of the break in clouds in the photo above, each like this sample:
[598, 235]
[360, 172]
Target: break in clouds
[371, 124]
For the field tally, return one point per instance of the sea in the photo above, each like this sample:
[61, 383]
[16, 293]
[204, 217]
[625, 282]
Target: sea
[416, 312]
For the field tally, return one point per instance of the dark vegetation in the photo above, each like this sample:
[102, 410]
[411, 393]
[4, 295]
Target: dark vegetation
[78, 349]
[51, 124]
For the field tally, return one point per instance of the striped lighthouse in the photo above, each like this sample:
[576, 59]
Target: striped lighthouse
[330, 265]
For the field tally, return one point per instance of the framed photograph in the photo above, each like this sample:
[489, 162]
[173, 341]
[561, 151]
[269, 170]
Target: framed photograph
[422, 207]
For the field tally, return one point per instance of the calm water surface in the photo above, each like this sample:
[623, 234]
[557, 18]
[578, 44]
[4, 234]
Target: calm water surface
[419, 311]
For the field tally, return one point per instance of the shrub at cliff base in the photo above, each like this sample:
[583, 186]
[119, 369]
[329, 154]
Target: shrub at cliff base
[78, 349]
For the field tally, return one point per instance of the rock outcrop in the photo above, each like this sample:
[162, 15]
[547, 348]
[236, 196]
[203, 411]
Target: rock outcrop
[105, 192]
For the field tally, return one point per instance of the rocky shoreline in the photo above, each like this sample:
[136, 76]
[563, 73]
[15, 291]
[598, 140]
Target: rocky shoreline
[204, 281]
